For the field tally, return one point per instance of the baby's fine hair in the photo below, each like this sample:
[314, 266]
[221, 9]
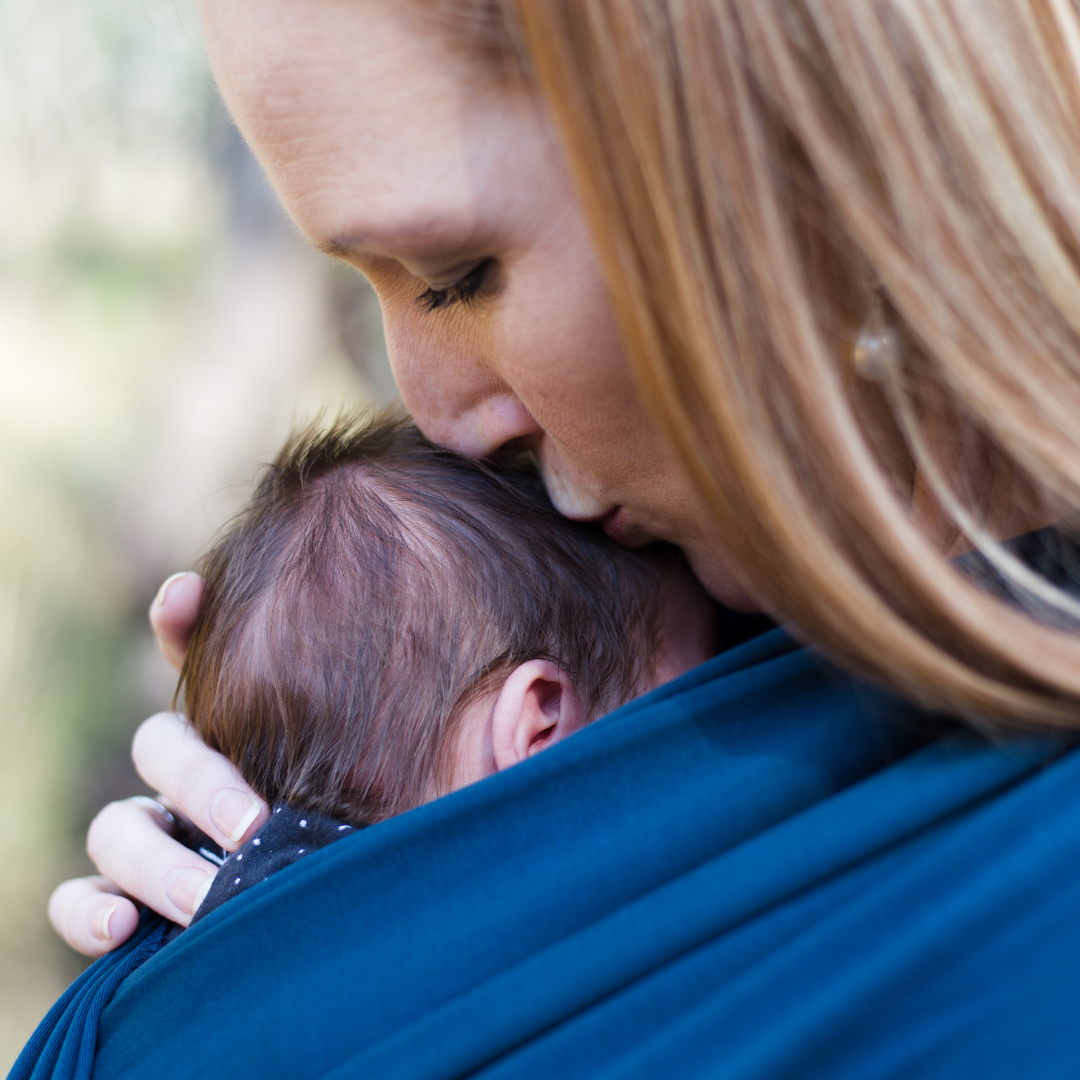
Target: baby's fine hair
[371, 589]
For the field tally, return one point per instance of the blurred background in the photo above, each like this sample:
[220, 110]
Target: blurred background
[162, 325]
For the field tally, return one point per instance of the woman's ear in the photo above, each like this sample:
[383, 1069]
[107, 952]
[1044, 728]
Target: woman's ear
[537, 706]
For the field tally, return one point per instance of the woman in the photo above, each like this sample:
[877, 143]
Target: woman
[791, 284]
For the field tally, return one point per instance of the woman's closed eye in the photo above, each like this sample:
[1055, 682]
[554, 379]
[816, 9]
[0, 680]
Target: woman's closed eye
[461, 292]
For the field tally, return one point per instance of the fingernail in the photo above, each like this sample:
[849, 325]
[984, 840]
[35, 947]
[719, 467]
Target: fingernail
[233, 812]
[160, 600]
[200, 896]
[186, 888]
[99, 927]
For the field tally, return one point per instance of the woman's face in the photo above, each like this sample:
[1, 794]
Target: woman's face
[451, 196]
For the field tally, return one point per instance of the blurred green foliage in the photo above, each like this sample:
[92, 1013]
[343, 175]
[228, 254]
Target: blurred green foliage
[71, 617]
[159, 328]
[116, 274]
[108, 216]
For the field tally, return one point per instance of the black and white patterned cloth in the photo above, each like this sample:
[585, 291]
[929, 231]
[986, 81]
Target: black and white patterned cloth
[286, 837]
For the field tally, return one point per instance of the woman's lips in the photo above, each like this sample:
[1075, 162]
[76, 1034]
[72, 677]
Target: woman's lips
[614, 523]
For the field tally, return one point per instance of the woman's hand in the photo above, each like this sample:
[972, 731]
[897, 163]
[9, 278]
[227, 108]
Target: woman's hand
[131, 842]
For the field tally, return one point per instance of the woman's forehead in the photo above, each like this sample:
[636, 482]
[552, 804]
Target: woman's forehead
[360, 67]
[356, 102]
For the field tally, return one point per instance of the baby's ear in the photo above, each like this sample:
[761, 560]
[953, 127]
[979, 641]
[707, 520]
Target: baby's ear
[537, 706]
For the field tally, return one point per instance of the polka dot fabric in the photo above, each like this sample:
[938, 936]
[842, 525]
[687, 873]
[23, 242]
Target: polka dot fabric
[287, 837]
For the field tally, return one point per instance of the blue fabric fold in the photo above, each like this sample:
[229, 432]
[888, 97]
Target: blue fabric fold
[762, 870]
[64, 1043]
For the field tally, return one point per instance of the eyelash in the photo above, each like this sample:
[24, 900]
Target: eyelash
[461, 292]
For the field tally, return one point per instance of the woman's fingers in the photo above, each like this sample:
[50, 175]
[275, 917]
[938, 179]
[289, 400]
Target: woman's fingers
[130, 846]
[205, 787]
[92, 915]
[173, 613]
[131, 842]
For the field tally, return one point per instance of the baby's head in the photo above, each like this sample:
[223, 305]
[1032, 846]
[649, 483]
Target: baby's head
[387, 621]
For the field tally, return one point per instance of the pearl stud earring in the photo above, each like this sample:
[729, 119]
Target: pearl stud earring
[878, 349]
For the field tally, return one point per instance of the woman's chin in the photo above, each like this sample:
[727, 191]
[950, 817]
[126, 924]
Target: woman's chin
[723, 579]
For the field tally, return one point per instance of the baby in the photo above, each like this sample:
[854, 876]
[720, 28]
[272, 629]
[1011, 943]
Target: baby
[387, 621]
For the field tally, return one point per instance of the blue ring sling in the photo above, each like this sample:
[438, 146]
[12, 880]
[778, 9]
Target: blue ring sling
[761, 870]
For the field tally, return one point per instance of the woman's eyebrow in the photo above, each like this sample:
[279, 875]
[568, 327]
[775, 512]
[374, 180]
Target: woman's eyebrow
[341, 247]
[429, 237]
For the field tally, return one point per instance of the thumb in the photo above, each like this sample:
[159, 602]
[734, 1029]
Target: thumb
[173, 614]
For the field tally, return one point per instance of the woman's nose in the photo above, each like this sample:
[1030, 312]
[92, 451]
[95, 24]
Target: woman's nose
[494, 427]
[457, 400]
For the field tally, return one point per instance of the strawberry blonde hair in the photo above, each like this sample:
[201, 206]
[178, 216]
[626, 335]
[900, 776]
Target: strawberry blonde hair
[761, 176]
